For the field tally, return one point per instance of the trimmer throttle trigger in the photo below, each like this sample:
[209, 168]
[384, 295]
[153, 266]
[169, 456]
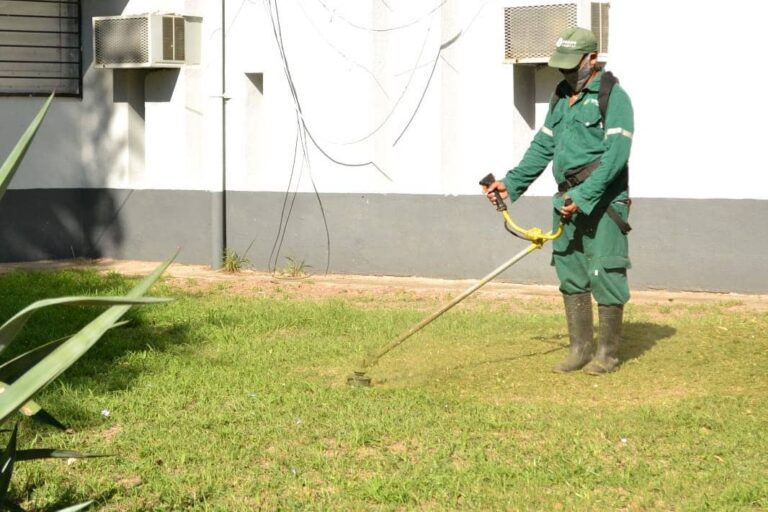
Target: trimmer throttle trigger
[487, 182]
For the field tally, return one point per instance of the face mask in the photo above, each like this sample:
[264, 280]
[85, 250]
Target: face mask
[577, 78]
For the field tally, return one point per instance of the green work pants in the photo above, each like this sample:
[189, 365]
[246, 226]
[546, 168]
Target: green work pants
[592, 256]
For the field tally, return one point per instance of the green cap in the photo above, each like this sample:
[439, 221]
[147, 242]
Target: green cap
[572, 45]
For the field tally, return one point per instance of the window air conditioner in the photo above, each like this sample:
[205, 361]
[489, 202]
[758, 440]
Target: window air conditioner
[145, 41]
[530, 31]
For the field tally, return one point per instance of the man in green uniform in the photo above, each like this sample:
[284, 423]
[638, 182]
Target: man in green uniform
[587, 136]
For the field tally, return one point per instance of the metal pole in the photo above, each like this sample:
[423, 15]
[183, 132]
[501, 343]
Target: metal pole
[373, 359]
[219, 198]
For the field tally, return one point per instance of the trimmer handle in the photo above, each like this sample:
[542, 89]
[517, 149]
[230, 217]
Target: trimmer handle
[568, 201]
[487, 182]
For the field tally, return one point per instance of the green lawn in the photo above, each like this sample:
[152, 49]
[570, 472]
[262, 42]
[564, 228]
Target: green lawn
[225, 400]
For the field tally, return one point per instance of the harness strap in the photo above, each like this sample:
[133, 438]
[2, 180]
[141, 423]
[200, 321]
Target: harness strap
[604, 93]
[577, 176]
[624, 226]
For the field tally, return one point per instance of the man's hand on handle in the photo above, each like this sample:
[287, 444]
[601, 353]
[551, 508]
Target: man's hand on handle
[568, 209]
[496, 185]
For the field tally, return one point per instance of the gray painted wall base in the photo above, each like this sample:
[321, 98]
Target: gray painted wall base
[672, 246]
[92, 223]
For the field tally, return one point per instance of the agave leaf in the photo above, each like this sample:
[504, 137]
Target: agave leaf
[14, 368]
[43, 416]
[13, 326]
[34, 411]
[48, 453]
[11, 370]
[40, 375]
[37, 413]
[6, 464]
[75, 508]
[11, 455]
[17, 153]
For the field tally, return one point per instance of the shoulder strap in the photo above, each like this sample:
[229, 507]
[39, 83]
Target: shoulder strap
[560, 92]
[606, 86]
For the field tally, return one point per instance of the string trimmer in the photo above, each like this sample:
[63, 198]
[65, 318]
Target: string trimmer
[533, 235]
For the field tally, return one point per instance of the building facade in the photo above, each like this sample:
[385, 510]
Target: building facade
[351, 136]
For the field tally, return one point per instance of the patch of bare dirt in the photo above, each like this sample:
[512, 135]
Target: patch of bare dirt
[112, 432]
[200, 278]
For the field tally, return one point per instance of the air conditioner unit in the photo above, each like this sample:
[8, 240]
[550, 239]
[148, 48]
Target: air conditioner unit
[146, 41]
[530, 30]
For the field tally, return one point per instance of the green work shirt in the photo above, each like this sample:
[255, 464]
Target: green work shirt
[573, 136]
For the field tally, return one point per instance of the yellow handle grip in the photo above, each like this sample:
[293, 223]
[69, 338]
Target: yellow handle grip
[535, 235]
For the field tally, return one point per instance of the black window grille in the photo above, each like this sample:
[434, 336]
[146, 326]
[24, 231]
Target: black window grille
[40, 47]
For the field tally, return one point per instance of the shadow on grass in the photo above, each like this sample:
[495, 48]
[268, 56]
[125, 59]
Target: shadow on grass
[500, 360]
[636, 339]
[639, 337]
[100, 370]
[68, 498]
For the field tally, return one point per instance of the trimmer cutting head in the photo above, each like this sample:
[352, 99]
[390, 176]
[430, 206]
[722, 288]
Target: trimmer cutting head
[359, 379]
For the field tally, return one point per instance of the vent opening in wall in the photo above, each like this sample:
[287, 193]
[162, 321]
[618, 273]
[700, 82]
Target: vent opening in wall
[600, 24]
[530, 31]
[173, 38]
[145, 41]
[121, 41]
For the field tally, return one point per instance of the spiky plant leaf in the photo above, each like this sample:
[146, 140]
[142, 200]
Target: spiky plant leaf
[34, 411]
[11, 455]
[49, 453]
[14, 368]
[43, 416]
[40, 375]
[6, 464]
[75, 508]
[13, 325]
[11, 370]
[17, 153]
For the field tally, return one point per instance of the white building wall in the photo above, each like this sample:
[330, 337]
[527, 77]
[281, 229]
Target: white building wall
[695, 73]
[689, 123]
[689, 69]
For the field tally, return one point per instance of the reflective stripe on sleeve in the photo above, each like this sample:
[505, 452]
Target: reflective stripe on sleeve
[546, 131]
[618, 131]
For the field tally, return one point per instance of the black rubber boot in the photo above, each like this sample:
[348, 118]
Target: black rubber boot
[578, 313]
[607, 358]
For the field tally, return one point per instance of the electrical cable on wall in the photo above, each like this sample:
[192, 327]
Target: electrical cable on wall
[283, 225]
[343, 55]
[304, 133]
[400, 98]
[426, 87]
[411, 23]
